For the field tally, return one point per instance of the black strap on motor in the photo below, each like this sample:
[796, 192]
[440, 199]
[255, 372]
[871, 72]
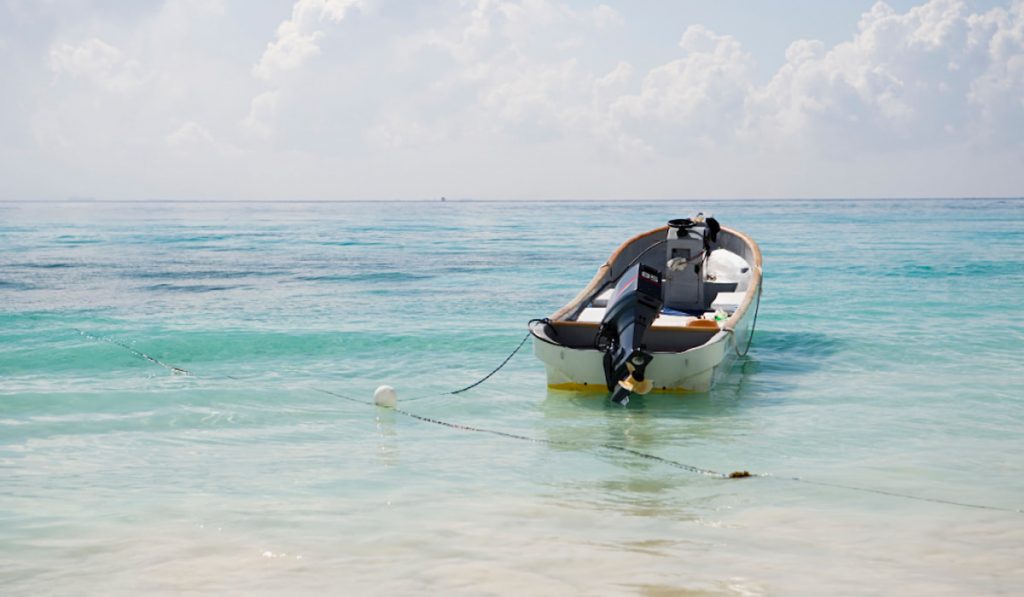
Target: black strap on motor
[713, 229]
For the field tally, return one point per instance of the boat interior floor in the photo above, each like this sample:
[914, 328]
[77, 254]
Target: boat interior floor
[667, 317]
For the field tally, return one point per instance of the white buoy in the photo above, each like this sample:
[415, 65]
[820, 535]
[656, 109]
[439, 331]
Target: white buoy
[385, 396]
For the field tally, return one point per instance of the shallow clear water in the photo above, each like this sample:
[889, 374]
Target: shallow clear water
[887, 357]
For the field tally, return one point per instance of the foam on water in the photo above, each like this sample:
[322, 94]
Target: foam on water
[887, 357]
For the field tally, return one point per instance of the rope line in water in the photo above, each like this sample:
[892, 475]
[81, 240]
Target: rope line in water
[141, 355]
[901, 495]
[550, 442]
[609, 447]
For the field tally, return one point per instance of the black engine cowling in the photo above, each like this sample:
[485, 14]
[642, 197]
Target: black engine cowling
[632, 309]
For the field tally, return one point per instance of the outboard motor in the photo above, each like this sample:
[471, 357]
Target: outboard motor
[632, 309]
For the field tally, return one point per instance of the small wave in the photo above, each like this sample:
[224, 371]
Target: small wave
[77, 240]
[797, 344]
[352, 243]
[7, 284]
[203, 238]
[969, 269]
[190, 287]
[194, 275]
[56, 265]
[366, 277]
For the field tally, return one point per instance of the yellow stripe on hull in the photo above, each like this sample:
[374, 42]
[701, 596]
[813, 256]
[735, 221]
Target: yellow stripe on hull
[600, 389]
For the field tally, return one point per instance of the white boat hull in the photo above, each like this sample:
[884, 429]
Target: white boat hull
[694, 370]
[688, 353]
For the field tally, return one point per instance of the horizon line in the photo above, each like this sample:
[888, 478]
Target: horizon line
[86, 200]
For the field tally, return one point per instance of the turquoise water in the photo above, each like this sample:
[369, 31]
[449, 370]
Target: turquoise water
[887, 357]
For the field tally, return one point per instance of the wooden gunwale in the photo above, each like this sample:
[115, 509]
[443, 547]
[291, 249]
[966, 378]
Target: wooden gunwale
[601, 277]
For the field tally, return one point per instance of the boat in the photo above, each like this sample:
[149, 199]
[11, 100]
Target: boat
[669, 311]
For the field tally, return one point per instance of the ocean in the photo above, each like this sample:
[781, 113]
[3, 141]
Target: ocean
[176, 413]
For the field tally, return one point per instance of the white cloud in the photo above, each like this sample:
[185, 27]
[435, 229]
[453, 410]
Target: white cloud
[263, 113]
[693, 100]
[298, 38]
[905, 80]
[114, 96]
[616, 77]
[605, 17]
[524, 15]
[98, 62]
[908, 81]
[190, 134]
[192, 138]
[462, 38]
[511, 94]
[998, 94]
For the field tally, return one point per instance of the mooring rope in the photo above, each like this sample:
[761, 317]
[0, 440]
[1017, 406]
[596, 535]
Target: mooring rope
[496, 369]
[753, 326]
[742, 474]
[477, 382]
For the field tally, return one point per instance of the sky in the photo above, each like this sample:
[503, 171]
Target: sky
[510, 99]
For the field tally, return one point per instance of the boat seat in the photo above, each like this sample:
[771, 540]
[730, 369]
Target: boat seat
[602, 299]
[591, 315]
[672, 319]
[728, 301]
